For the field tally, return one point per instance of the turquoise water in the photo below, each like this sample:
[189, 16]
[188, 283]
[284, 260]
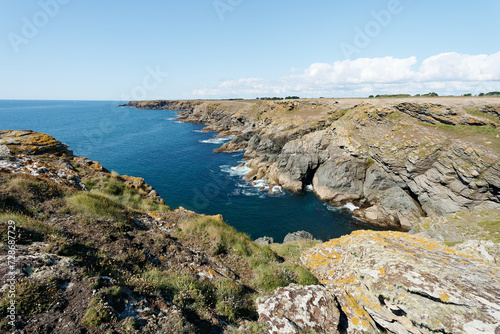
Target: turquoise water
[177, 160]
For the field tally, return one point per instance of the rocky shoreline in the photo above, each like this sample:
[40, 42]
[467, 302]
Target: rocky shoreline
[98, 252]
[397, 159]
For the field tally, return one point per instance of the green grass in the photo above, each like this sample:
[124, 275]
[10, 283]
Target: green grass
[226, 238]
[272, 277]
[114, 187]
[188, 291]
[465, 225]
[338, 115]
[29, 229]
[292, 250]
[275, 266]
[96, 205]
[394, 116]
[492, 226]
[25, 193]
[466, 130]
[392, 96]
[32, 296]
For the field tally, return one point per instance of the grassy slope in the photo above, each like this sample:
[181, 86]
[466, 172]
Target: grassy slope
[102, 230]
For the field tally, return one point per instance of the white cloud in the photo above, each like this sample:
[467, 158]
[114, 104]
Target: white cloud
[447, 73]
[456, 66]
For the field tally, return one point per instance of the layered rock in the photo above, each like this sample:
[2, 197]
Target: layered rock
[395, 159]
[404, 283]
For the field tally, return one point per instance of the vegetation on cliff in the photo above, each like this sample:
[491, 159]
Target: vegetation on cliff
[97, 251]
[101, 252]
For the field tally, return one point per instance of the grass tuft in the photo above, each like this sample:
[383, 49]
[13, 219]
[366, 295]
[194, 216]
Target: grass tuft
[96, 205]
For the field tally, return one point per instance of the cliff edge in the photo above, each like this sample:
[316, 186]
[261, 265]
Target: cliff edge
[86, 250]
[396, 159]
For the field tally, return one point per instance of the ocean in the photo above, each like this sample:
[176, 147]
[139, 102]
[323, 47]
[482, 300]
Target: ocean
[177, 159]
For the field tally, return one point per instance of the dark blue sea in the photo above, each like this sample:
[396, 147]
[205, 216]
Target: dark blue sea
[177, 159]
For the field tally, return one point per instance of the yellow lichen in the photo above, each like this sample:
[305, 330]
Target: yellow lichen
[444, 296]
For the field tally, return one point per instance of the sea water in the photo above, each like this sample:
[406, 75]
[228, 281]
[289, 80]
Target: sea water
[177, 159]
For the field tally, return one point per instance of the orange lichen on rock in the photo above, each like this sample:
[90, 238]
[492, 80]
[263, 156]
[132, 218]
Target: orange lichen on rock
[375, 275]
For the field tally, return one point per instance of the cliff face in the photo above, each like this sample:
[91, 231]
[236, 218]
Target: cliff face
[396, 159]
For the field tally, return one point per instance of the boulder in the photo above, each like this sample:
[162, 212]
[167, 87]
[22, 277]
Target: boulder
[299, 235]
[265, 241]
[405, 283]
[4, 152]
[301, 309]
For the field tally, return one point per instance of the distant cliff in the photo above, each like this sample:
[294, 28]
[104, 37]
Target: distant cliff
[397, 159]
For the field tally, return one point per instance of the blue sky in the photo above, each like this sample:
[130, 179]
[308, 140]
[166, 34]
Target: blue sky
[120, 50]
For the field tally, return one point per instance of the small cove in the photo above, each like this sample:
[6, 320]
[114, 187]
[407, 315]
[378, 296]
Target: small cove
[177, 159]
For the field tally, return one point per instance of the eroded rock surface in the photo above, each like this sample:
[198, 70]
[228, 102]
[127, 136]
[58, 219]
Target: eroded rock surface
[407, 284]
[298, 308]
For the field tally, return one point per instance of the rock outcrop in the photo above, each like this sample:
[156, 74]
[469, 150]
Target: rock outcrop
[296, 308]
[299, 235]
[396, 159]
[407, 284]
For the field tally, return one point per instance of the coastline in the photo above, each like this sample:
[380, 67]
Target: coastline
[404, 158]
[101, 252]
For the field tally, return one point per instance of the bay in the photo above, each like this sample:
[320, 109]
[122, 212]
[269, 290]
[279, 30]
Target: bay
[177, 159]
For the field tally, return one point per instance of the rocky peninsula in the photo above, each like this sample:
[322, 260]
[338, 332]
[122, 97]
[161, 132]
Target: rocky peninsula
[99, 252]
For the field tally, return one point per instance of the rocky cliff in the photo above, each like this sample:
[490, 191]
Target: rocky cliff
[85, 250]
[99, 252]
[397, 159]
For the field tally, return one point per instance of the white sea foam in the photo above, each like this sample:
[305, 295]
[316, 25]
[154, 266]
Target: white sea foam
[261, 184]
[309, 187]
[277, 189]
[348, 206]
[235, 170]
[217, 140]
[200, 131]
[351, 206]
[258, 187]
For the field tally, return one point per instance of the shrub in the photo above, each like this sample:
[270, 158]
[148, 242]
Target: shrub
[231, 300]
[96, 315]
[188, 291]
[114, 187]
[226, 237]
[270, 278]
[33, 297]
[304, 276]
[25, 192]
